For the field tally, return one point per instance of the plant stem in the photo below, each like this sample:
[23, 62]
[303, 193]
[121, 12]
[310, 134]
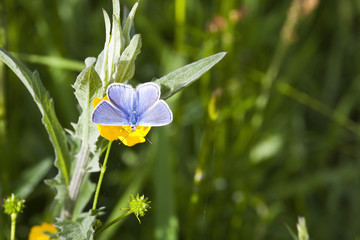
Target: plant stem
[102, 172]
[13, 226]
[268, 82]
[112, 222]
[180, 18]
[76, 180]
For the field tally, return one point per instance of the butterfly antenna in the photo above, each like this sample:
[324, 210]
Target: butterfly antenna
[148, 139]
[124, 137]
[145, 136]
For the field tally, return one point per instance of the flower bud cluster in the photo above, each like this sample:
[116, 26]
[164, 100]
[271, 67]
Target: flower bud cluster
[13, 205]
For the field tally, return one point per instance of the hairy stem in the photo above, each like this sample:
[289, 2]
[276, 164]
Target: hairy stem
[76, 180]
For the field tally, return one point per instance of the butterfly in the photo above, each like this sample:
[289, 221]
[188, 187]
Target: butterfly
[140, 106]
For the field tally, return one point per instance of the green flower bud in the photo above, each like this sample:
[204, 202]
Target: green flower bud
[13, 205]
[138, 205]
[302, 231]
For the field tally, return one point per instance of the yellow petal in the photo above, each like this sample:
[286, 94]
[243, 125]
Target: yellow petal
[111, 132]
[37, 232]
[130, 138]
[97, 100]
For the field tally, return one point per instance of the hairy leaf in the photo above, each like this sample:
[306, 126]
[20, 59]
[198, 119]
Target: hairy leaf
[128, 24]
[126, 68]
[102, 60]
[87, 87]
[77, 230]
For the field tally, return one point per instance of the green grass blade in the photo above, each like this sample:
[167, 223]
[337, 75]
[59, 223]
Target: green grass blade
[166, 222]
[52, 61]
[293, 235]
[31, 177]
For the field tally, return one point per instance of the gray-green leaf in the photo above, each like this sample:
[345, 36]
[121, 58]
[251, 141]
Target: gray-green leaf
[184, 76]
[79, 230]
[128, 23]
[87, 87]
[126, 68]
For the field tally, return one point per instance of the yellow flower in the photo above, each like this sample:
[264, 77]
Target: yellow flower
[123, 133]
[37, 232]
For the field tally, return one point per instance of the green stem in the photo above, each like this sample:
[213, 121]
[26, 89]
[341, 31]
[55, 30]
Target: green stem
[180, 18]
[268, 82]
[102, 172]
[13, 226]
[111, 223]
[2, 79]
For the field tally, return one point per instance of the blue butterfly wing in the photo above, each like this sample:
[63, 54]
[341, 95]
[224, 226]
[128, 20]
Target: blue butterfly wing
[158, 115]
[122, 97]
[107, 114]
[147, 95]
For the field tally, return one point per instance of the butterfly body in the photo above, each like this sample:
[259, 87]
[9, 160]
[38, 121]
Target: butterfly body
[135, 107]
[133, 120]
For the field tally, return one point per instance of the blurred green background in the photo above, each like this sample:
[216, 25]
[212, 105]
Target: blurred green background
[269, 134]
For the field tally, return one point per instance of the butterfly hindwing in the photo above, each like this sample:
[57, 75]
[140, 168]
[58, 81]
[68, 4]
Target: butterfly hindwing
[107, 114]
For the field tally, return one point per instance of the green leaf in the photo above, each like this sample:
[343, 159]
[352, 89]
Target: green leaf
[102, 60]
[79, 230]
[51, 61]
[87, 86]
[126, 68]
[61, 194]
[116, 8]
[110, 56]
[111, 63]
[116, 45]
[128, 24]
[32, 82]
[86, 193]
[184, 76]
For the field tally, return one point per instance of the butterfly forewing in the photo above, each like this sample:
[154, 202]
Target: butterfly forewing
[122, 97]
[158, 115]
[107, 114]
[147, 95]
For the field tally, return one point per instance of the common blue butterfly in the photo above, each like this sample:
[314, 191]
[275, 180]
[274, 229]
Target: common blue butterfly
[134, 107]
